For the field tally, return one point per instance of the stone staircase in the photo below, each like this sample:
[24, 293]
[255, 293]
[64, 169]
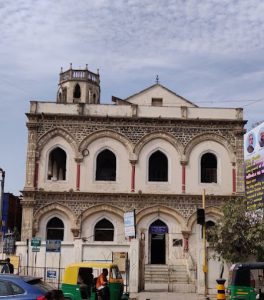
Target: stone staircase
[168, 278]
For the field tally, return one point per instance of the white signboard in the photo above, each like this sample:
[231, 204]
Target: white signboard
[129, 220]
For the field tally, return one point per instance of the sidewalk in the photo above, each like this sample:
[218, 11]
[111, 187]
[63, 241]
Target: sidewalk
[170, 296]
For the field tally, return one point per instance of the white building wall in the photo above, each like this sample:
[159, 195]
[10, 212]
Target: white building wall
[224, 170]
[174, 169]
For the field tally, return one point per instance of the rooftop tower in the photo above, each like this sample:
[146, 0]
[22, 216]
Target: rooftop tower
[79, 86]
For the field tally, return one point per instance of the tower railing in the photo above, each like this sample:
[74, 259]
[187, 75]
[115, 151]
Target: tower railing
[80, 75]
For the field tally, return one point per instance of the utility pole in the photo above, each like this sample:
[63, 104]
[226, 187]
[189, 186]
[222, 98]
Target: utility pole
[205, 265]
[2, 199]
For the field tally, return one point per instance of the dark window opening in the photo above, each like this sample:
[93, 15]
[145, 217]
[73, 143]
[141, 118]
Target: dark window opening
[104, 231]
[156, 101]
[208, 226]
[106, 166]
[60, 97]
[94, 97]
[57, 165]
[77, 91]
[208, 168]
[158, 167]
[55, 229]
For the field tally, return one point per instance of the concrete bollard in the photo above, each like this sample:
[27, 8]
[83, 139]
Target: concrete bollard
[220, 289]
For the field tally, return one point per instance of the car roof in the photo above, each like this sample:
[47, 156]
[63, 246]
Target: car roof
[26, 278]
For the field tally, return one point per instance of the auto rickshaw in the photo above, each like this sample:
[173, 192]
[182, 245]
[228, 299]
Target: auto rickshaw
[246, 281]
[75, 288]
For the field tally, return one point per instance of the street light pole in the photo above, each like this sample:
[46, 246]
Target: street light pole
[2, 199]
[205, 265]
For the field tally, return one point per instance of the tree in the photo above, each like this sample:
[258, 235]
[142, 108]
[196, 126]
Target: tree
[239, 234]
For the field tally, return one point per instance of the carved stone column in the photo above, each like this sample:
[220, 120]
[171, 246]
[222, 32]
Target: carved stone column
[31, 155]
[27, 203]
[183, 164]
[133, 174]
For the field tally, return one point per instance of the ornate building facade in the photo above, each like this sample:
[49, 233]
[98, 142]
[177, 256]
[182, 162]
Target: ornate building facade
[154, 153]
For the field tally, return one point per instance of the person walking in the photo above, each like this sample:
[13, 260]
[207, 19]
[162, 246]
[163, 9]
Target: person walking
[8, 267]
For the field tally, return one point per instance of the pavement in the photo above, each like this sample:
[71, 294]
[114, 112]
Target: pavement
[169, 296]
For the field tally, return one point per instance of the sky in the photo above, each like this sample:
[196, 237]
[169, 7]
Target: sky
[210, 52]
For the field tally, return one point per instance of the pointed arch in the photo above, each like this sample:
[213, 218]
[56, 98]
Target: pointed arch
[57, 164]
[161, 209]
[77, 91]
[43, 140]
[158, 167]
[104, 230]
[53, 207]
[106, 134]
[116, 211]
[210, 137]
[55, 229]
[105, 166]
[158, 135]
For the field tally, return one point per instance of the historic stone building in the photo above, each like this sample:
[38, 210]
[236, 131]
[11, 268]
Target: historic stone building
[153, 153]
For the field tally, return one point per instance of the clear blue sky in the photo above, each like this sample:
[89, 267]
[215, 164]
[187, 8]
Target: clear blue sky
[210, 52]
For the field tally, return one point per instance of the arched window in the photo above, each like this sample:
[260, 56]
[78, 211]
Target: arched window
[208, 226]
[158, 167]
[57, 164]
[208, 168]
[77, 91]
[55, 229]
[106, 166]
[104, 231]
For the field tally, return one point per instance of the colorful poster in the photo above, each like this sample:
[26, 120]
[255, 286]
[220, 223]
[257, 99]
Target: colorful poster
[254, 167]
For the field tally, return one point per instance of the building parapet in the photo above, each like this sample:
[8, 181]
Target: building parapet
[110, 110]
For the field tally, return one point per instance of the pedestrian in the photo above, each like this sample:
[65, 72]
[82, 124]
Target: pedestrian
[54, 295]
[8, 267]
[101, 285]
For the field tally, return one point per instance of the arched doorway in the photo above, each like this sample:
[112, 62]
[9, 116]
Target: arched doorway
[157, 237]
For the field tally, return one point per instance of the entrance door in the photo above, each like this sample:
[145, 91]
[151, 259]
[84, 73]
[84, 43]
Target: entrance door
[158, 230]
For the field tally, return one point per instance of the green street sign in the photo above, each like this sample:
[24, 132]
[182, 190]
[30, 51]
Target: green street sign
[35, 242]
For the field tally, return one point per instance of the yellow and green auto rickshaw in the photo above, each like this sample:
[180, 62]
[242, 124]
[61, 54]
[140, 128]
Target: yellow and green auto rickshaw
[246, 281]
[79, 281]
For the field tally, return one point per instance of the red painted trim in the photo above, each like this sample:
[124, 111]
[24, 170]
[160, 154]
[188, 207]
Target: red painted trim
[78, 177]
[183, 179]
[36, 175]
[234, 180]
[133, 172]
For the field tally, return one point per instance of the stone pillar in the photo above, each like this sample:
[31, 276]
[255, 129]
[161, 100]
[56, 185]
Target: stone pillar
[133, 174]
[78, 176]
[78, 249]
[134, 267]
[27, 203]
[183, 164]
[234, 178]
[31, 155]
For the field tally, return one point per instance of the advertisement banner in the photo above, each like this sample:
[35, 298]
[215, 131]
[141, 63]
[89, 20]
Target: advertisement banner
[254, 167]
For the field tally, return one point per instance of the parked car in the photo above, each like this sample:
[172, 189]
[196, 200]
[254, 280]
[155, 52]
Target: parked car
[22, 287]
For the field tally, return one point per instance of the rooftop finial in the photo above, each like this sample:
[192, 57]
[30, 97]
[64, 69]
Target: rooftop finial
[70, 65]
[98, 71]
[157, 79]
[61, 69]
[86, 67]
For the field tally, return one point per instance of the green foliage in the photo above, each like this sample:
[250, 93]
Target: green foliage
[239, 235]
